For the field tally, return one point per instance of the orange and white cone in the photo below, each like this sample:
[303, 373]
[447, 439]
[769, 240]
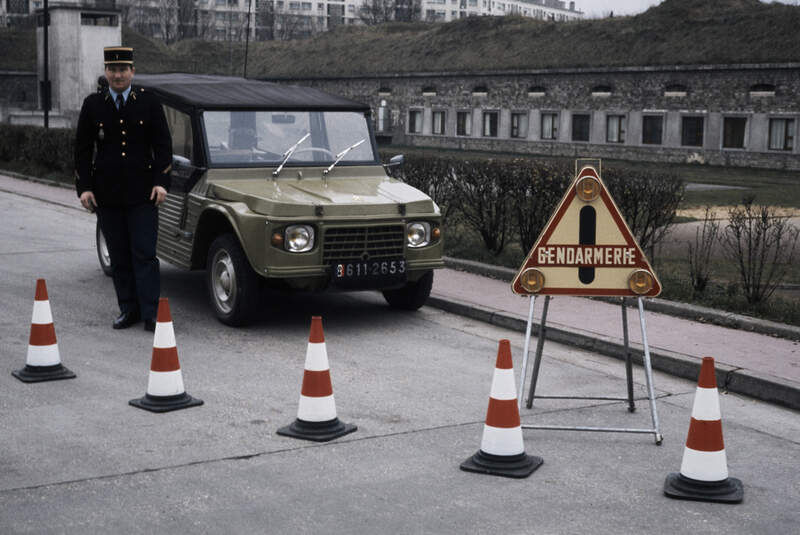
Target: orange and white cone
[316, 413]
[43, 362]
[704, 470]
[502, 451]
[165, 390]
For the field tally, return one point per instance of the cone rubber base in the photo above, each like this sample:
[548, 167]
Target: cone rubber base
[683, 488]
[37, 374]
[517, 466]
[165, 403]
[317, 431]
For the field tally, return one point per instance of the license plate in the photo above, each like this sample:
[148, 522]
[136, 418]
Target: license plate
[370, 273]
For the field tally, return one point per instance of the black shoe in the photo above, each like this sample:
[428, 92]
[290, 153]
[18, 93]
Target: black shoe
[150, 325]
[126, 319]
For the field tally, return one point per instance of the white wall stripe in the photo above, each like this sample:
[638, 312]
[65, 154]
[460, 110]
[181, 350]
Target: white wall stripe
[43, 355]
[316, 409]
[164, 337]
[165, 383]
[316, 357]
[502, 441]
[704, 465]
[503, 384]
[41, 313]
[706, 404]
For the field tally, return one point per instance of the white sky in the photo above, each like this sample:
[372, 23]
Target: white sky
[598, 8]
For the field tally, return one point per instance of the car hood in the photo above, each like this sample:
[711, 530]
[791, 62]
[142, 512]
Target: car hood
[338, 196]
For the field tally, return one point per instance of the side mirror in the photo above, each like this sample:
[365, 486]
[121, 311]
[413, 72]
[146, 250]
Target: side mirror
[395, 161]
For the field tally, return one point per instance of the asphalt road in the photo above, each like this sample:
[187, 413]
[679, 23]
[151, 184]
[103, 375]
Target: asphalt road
[75, 458]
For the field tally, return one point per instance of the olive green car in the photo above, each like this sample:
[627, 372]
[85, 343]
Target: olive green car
[281, 186]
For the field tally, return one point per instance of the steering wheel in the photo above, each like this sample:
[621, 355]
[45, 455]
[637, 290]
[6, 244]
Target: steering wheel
[312, 149]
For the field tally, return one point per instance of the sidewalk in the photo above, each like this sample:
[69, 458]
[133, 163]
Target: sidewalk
[757, 365]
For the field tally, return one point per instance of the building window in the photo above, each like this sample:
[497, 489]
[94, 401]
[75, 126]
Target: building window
[580, 127]
[602, 91]
[490, 121]
[415, 121]
[536, 91]
[480, 91]
[519, 125]
[549, 126]
[438, 123]
[733, 129]
[675, 91]
[762, 90]
[652, 129]
[615, 129]
[464, 123]
[781, 134]
[692, 131]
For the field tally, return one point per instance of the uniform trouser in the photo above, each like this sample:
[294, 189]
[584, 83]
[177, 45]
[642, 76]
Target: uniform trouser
[131, 233]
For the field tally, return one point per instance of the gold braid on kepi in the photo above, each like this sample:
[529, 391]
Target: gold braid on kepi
[118, 55]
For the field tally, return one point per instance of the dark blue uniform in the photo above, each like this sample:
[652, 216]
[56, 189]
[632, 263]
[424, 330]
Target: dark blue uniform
[119, 156]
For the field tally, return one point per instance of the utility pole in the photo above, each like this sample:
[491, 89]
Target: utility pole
[46, 82]
[247, 37]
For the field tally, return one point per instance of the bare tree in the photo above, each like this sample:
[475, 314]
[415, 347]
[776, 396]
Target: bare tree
[377, 11]
[265, 20]
[408, 10]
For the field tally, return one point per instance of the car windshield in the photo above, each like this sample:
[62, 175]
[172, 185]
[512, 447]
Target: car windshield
[263, 138]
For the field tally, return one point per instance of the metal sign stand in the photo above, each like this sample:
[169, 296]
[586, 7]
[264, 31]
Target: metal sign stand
[628, 371]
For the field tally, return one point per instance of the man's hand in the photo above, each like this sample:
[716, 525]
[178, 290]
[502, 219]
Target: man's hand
[87, 200]
[158, 195]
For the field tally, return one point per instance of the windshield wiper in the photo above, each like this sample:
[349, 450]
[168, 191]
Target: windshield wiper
[342, 155]
[288, 154]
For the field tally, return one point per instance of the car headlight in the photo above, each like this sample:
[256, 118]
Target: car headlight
[418, 233]
[299, 238]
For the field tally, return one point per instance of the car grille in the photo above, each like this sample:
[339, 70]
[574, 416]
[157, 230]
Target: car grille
[347, 244]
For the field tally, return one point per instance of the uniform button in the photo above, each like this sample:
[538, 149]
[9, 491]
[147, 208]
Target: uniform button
[123, 132]
[121, 121]
[141, 122]
[123, 154]
[149, 166]
[123, 143]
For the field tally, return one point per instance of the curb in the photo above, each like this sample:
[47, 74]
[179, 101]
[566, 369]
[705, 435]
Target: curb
[737, 380]
[673, 308]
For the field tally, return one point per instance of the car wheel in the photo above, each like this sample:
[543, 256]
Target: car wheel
[233, 286]
[102, 250]
[411, 296]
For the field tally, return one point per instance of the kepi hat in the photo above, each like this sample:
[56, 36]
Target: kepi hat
[118, 55]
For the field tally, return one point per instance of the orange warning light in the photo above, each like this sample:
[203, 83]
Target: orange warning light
[532, 280]
[641, 281]
[587, 188]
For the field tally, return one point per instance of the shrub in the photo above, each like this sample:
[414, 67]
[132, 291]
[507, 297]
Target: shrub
[536, 189]
[647, 201]
[50, 148]
[762, 245]
[705, 238]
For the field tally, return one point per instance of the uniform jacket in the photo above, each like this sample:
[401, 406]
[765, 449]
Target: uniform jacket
[133, 148]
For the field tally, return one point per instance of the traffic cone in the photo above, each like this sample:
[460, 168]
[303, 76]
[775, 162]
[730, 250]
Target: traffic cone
[43, 362]
[165, 390]
[704, 470]
[316, 413]
[502, 452]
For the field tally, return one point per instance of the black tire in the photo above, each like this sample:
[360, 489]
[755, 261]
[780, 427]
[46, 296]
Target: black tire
[411, 296]
[233, 287]
[102, 250]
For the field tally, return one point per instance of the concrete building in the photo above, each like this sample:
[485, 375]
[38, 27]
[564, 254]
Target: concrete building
[741, 115]
[447, 10]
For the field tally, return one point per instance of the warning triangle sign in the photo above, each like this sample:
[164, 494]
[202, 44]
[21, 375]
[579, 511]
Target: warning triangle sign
[587, 249]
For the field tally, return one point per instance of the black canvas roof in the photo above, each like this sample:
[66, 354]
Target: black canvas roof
[227, 92]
